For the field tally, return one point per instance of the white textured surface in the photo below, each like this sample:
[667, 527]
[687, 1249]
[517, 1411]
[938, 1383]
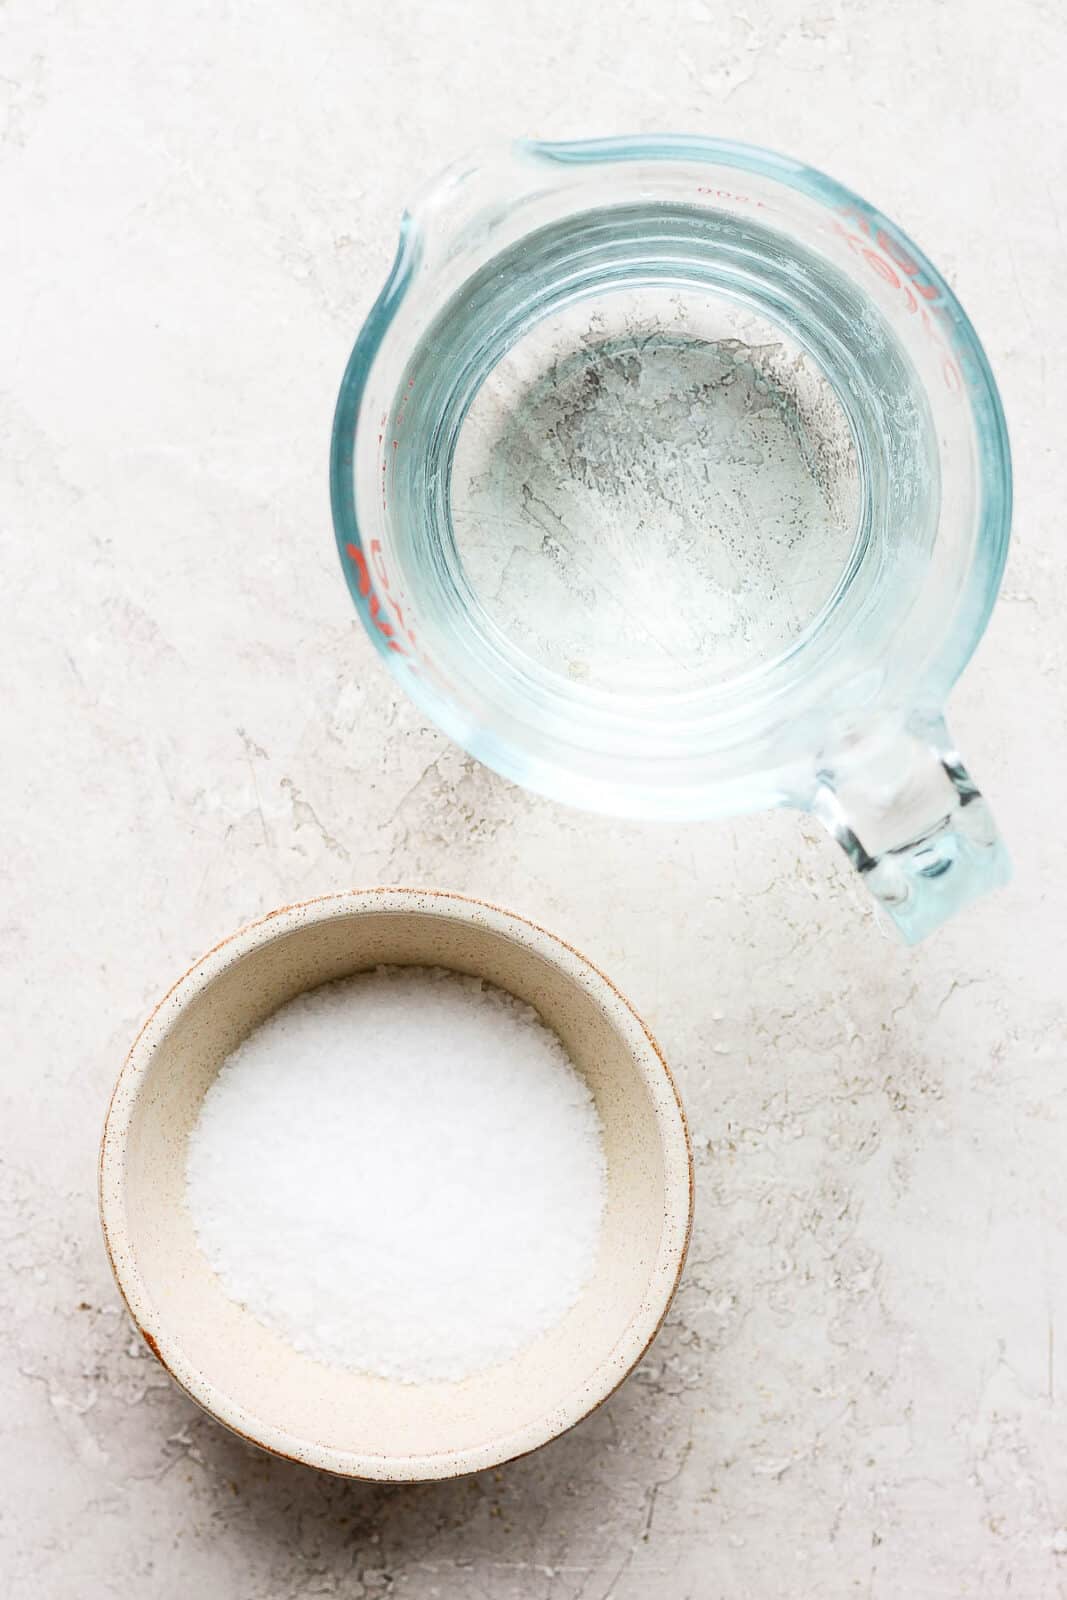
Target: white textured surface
[861, 1389]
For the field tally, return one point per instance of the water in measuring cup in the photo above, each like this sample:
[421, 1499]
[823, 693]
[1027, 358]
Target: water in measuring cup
[654, 489]
[650, 450]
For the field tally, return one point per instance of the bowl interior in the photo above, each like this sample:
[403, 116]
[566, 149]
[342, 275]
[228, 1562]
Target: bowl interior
[336, 1417]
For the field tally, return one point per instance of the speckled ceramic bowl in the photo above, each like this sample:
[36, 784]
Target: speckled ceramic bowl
[332, 1417]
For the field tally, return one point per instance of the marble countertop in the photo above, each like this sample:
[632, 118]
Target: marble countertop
[860, 1390]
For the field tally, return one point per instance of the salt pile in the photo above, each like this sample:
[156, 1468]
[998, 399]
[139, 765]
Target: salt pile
[400, 1172]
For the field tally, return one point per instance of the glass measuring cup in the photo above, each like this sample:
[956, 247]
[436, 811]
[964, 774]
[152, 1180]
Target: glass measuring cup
[671, 480]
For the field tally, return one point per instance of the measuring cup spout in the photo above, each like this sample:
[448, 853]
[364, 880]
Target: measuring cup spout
[914, 824]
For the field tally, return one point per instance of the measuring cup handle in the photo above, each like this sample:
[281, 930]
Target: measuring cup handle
[910, 818]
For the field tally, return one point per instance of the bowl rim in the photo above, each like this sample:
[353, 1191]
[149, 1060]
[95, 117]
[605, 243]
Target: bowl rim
[669, 1116]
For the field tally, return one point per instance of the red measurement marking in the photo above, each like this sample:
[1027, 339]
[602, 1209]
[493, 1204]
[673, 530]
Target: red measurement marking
[368, 592]
[887, 259]
[896, 253]
[380, 622]
[356, 555]
[880, 265]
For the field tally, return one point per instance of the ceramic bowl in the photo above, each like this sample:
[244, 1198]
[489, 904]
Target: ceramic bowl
[335, 1418]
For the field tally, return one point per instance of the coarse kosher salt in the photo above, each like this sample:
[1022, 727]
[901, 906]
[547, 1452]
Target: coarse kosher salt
[400, 1172]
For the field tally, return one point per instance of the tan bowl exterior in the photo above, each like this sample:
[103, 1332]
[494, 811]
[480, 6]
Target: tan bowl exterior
[330, 1417]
